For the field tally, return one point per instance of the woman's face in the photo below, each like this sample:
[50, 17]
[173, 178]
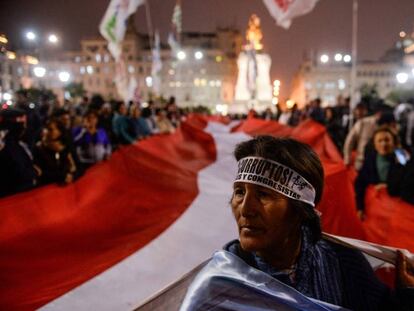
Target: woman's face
[264, 218]
[52, 132]
[91, 120]
[384, 143]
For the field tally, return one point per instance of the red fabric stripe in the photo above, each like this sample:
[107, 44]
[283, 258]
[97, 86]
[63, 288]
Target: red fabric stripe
[54, 239]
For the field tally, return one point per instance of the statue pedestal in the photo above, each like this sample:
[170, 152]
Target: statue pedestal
[262, 84]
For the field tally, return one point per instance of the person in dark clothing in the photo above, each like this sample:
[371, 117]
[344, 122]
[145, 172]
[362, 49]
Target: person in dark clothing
[334, 127]
[17, 172]
[295, 116]
[53, 157]
[407, 182]
[34, 122]
[121, 125]
[105, 120]
[380, 167]
[141, 128]
[64, 118]
[278, 184]
[316, 112]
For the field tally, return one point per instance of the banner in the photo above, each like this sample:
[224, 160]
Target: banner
[114, 23]
[136, 223]
[283, 11]
[176, 24]
[113, 27]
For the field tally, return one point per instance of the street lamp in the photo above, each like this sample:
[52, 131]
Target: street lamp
[324, 58]
[39, 72]
[181, 55]
[338, 57]
[402, 77]
[148, 81]
[30, 35]
[7, 96]
[64, 76]
[198, 55]
[52, 38]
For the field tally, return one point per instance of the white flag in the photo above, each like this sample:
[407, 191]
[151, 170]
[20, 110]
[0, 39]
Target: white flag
[114, 23]
[176, 25]
[156, 65]
[283, 11]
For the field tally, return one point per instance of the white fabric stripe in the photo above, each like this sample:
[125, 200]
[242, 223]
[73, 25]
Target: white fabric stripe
[205, 227]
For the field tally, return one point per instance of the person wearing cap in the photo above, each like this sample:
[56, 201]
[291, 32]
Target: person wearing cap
[17, 172]
[278, 185]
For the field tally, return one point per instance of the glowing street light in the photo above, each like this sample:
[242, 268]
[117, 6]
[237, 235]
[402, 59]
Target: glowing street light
[148, 81]
[290, 103]
[402, 77]
[11, 55]
[30, 35]
[3, 39]
[181, 55]
[64, 76]
[347, 58]
[39, 72]
[324, 58]
[7, 96]
[52, 38]
[338, 57]
[198, 55]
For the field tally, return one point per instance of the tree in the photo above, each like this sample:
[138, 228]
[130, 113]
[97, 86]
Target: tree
[370, 96]
[37, 95]
[75, 89]
[400, 96]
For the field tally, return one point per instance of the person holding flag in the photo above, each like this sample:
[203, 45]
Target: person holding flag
[282, 260]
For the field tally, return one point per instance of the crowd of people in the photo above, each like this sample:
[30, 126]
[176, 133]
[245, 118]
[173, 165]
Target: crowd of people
[376, 140]
[45, 143]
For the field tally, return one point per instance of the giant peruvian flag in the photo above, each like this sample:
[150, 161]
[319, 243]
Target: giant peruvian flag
[138, 222]
[283, 11]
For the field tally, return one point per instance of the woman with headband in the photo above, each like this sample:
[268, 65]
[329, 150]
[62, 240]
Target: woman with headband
[278, 184]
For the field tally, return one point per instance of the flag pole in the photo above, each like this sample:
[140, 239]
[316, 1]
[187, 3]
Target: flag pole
[149, 24]
[354, 60]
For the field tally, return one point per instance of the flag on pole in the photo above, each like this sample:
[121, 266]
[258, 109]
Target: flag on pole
[114, 23]
[176, 25]
[113, 27]
[156, 65]
[283, 11]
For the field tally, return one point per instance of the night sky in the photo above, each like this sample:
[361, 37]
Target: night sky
[327, 28]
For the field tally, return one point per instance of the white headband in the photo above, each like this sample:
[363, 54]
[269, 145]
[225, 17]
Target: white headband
[275, 176]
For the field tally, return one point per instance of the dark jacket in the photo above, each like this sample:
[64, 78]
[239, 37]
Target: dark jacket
[335, 274]
[16, 168]
[368, 175]
[407, 183]
[54, 165]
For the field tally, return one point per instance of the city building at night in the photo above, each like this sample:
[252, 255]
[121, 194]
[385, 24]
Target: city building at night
[328, 76]
[203, 71]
